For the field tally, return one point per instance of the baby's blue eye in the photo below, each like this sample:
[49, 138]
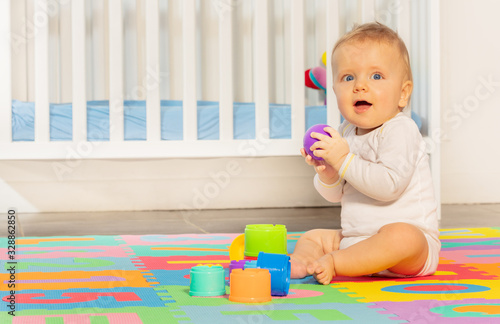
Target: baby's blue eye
[376, 76]
[348, 78]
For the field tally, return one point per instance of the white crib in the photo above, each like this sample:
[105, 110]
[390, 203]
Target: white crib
[416, 21]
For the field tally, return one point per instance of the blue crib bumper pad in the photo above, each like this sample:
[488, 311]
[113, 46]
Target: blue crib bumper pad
[61, 120]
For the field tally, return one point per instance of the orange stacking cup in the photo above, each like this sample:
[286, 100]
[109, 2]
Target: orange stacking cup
[250, 286]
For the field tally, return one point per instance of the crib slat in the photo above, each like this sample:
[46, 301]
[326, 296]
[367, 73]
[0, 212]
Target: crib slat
[315, 47]
[419, 64]
[297, 68]
[332, 34]
[98, 51]
[349, 15]
[226, 73]
[42, 113]
[434, 86]
[56, 55]
[116, 127]
[138, 58]
[261, 78]
[152, 77]
[243, 50]
[366, 11]
[78, 66]
[65, 31]
[402, 19]
[5, 77]
[189, 105]
[278, 83]
[19, 55]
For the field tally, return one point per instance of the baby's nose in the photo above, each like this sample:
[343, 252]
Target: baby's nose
[360, 86]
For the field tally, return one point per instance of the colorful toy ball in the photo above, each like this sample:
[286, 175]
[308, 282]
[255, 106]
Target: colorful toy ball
[315, 78]
[309, 81]
[318, 77]
[309, 141]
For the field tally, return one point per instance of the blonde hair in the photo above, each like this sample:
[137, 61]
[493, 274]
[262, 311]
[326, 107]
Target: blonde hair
[376, 31]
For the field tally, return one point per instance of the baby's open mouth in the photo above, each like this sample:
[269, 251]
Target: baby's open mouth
[362, 106]
[362, 103]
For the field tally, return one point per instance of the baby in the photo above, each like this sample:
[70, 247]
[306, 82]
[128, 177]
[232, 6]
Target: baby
[375, 165]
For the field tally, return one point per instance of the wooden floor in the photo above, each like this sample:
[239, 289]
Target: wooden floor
[219, 221]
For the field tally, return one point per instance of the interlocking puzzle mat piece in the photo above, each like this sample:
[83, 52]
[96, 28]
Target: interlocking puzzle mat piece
[66, 241]
[445, 311]
[74, 264]
[452, 271]
[75, 279]
[181, 239]
[85, 298]
[470, 244]
[55, 252]
[470, 233]
[172, 277]
[486, 311]
[491, 269]
[289, 313]
[182, 262]
[192, 250]
[447, 271]
[128, 315]
[472, 256]
[421, 290]
[299, 294]
[309, 303]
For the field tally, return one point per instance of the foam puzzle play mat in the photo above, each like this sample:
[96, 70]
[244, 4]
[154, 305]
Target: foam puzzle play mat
[147, 279]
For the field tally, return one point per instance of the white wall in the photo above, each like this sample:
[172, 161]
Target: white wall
[162, 184]
[470, 154]
[470, 74]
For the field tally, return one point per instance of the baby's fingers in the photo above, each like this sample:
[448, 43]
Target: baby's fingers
[309, 160]
[303, 152]
[333, 133]
[319, 145]
[320, 168]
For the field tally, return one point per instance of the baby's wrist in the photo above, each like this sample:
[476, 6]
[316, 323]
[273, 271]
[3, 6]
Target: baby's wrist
[340, 162]
[329, 180]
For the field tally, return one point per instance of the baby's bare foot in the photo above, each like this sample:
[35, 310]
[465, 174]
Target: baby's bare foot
[298, 267]
[322, 269]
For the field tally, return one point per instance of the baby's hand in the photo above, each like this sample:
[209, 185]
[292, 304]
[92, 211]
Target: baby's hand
[333, 149]
[326, 173]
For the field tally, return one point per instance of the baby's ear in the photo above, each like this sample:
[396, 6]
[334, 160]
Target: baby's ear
[406, 90]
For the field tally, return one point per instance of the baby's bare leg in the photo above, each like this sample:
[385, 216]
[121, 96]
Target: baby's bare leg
[399, 247]
[311, 246]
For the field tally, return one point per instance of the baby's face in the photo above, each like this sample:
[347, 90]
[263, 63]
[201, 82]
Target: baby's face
[370, 82]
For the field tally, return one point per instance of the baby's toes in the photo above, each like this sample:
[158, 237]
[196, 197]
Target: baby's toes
[321, 278]
[326, 278]
[320, 271]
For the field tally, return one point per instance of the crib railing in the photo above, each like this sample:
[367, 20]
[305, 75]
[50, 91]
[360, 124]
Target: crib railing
[5, 81]
[154, 147]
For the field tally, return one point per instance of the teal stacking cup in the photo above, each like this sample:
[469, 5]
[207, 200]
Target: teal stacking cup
[207, 281]
[265, 238]
[250, 264]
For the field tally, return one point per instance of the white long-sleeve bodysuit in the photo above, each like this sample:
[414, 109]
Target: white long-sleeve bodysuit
[384, 179]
